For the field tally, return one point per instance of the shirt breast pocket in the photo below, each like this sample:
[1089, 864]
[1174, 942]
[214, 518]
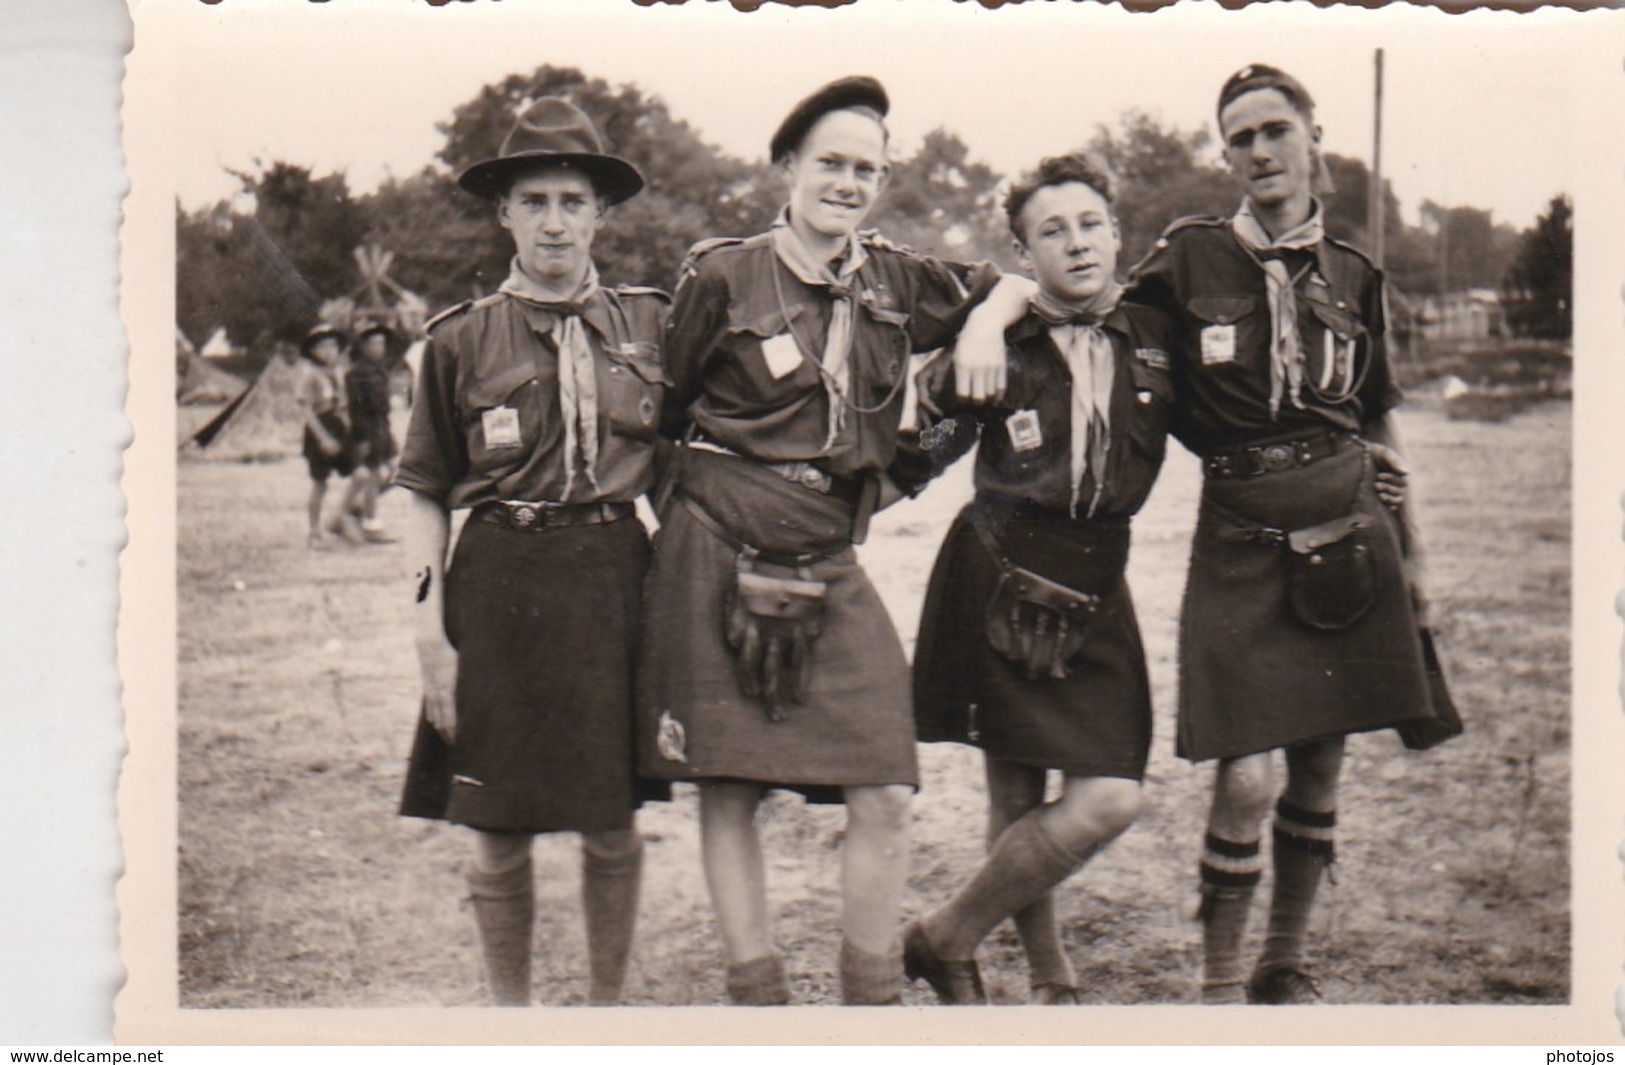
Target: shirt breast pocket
[886, 337]
[1148, 421]
[768, 350]
[1229, 329]
[636, 384]
[1332, 346]
[500, 419]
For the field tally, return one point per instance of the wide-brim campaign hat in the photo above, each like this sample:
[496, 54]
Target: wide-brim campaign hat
[553, 130]
[369, 326]
[319, 333]
[855, 91]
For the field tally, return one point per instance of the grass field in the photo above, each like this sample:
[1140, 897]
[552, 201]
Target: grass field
[300, 887]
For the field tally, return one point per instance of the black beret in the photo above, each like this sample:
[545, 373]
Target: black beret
[856, 91]
[1259, 76]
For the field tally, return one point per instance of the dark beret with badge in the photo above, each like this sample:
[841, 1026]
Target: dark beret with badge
[1262, 76]
[553, 130]
[855, 91]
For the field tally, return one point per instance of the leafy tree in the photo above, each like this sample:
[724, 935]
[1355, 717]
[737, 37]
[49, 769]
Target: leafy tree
[1163, 178]
[942, 203]
[1539, 287]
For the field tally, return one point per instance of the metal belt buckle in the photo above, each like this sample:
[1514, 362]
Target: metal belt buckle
[814, 478]
[1277, 457]
[1220, 466]
[523, 517]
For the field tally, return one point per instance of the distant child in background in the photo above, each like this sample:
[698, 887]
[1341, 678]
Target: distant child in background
[367, 387]
[321, 398]
[1029, 647]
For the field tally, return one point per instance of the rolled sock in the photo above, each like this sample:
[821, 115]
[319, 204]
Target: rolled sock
[505, 912]
[1303, 846]
[1230, 874]
[610, 878]
[1022, 867]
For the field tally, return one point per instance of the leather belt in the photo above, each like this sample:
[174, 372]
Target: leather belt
[1272, 456]
[806, 474]
[541, 516]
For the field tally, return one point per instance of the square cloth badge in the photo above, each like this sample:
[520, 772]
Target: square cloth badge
[501, 425]
[781, 355]
[1218, 344]
[1155, 358]
[1025, 435]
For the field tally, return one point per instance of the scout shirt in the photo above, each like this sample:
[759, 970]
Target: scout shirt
[1216, 293]
[1026, 434]
[746, 335]
[367, 389]
[487, 424]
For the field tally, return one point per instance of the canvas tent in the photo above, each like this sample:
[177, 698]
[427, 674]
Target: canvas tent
[261, 425]
[197, 381]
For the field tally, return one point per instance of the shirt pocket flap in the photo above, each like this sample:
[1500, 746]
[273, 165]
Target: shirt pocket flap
[642, 358]
[886, 316]
[1221, 310]
[487, 390]
[770, 324]
[1150, 379]
[1340, 323]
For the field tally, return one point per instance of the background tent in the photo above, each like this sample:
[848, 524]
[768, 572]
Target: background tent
[261, 425]
[197, 381]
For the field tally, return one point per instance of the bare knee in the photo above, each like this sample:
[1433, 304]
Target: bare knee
[728, 802]
[1094, 810]
[614, 846]
[879, 808]
[1243, 790]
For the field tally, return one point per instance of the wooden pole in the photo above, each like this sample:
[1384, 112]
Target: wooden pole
[1377, 202]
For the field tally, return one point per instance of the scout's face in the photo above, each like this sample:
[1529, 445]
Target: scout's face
[374, 346]
[1070, 241]
[835, 175]
[1270, 148]
[553, 215]
[325, 351]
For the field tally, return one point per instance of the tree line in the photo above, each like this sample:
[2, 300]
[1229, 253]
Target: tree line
[262, 263]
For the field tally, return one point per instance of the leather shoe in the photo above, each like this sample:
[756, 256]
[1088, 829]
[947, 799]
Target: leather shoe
[957, 983]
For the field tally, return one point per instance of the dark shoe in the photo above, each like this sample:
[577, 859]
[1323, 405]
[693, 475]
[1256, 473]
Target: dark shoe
[1055, 995]
[1283, 986]
[957, 983]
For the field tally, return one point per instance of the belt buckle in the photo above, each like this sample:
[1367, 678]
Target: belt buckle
[523, 517]
[1221, 466]
[814, 478]
[1277, 457]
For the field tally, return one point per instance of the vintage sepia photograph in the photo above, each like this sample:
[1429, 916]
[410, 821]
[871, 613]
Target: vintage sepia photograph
[907, 505]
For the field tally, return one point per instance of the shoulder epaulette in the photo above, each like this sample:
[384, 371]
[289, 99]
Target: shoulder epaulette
[1358, 253]
[706, 247]
[872, 238]
[643, 290]
[450, 312]
[1191, 221]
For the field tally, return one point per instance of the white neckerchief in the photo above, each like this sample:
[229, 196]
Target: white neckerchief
[836, 357]
[1286, 346]
[1081, 340]
[578, 379]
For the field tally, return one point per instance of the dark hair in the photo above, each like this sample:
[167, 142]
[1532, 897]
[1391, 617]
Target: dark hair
[1083, 167]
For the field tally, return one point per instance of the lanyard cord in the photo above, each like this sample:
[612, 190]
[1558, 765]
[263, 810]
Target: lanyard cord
[829, 378]
[1356, 379]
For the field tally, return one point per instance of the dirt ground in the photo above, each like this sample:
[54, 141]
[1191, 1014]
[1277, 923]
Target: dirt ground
[300, 887]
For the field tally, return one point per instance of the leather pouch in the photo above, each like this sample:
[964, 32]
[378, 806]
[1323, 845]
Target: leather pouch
[1332, 572]
[1036, 623]
[771, 624]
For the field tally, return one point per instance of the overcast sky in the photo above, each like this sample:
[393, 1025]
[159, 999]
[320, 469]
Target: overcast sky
[1478, 109]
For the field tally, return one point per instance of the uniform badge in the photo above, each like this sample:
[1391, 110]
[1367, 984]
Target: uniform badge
[781, 355]
[1155, 358]
[1025, 435]
[670, 739]
[501, 425]
[1218, 344]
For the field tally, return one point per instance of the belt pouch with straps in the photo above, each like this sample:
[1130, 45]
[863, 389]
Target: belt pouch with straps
[1332, 572]
[1032, 621]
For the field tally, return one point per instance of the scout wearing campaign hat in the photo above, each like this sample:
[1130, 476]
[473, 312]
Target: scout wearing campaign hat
[553, 130]
[317, 334]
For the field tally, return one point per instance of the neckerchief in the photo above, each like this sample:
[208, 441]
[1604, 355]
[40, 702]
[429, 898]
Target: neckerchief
[836, 358]
[1082, 341]
[1286, 346]
[578, 379]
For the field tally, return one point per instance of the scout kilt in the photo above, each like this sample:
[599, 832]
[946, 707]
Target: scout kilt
[544, 623]
[1252, 676]
[1094, 722]
[853, 726]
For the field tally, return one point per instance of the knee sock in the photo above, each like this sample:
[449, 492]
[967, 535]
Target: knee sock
[504, 911]
[1303, 846]
[610, 877]
[1230, 875]
[1040, 934]
[758, 982]
[870, 979]
[1020, 869]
